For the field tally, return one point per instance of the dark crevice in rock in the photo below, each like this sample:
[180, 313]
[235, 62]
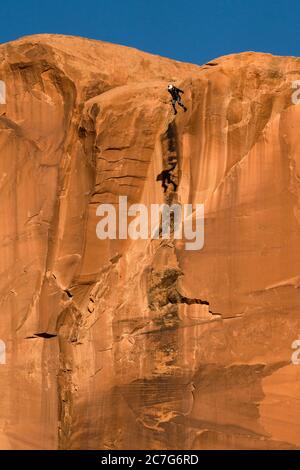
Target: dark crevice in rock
[82, 132]
[186, 300]
[177, 298]
[45, 335]
[118, 148]
[115, 258]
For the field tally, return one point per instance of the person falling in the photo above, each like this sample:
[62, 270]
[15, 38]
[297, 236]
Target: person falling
[165, 177]
[176, 98]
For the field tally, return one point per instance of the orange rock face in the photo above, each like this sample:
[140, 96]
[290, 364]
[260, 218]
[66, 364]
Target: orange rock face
[132, 344]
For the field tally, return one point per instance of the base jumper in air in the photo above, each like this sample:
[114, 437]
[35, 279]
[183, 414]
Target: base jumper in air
[176, 98]
[165, 177]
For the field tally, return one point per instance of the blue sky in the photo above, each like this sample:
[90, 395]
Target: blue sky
[192, 30]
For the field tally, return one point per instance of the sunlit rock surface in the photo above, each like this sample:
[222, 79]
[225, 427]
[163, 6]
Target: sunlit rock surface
[123, 344]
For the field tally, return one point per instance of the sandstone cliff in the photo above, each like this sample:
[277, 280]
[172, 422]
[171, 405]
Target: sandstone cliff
[108, 343]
